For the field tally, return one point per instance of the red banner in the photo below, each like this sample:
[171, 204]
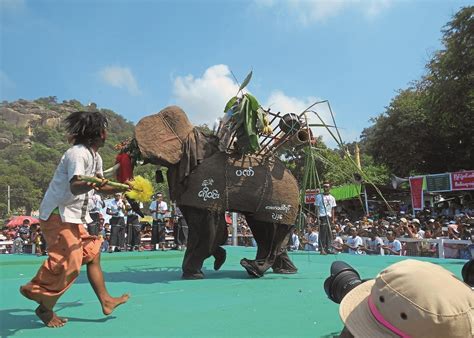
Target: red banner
[416, 187]
[310, 196]
[462, 180]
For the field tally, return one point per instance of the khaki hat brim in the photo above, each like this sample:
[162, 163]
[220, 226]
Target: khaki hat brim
[355, 313]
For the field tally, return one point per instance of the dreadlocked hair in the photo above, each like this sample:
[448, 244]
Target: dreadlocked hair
[86, 126]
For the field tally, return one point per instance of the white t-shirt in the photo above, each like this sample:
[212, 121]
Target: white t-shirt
[396, 245]
[375, 245]
[312, 239]
[325, 203]
[77, 160]
[162, 206]
[354, 242]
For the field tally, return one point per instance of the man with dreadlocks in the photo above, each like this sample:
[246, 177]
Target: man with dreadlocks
[63, 212]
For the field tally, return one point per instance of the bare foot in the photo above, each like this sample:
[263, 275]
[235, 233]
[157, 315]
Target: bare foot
[49, 318]
[109, 305]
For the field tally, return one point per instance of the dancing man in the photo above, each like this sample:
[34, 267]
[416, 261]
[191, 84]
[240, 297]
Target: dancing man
[63, 212]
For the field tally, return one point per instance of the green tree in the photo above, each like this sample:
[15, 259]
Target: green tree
[427, 128]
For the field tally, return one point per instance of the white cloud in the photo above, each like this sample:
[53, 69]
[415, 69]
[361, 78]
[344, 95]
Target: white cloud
[307, 12]
[120, 77]
[204, 98]
[5, 81]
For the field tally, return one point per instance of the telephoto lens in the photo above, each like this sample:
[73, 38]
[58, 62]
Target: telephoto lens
[343, 279]
[468, 273]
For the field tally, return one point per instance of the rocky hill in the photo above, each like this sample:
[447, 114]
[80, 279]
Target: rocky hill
[32, 142]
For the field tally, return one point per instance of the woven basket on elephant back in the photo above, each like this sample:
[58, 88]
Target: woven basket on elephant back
[160, 136]
[262, 187]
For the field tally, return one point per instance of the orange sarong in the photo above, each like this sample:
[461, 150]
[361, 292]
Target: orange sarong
[69, 246]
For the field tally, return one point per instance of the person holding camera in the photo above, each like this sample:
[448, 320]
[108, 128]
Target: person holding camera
[326, 206]
[116, 209]
[158, 209]
[400, 301]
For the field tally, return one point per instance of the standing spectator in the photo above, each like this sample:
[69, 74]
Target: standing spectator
[354, 243]
[133, 228]
[326, 204]
[310, 239]
[393, 245]
[20, 240]
[158, 209]
[95, 205]
[180, 229]
[116, 209]
[25, 227]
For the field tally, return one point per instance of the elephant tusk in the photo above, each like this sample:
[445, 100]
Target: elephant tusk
[112, 170]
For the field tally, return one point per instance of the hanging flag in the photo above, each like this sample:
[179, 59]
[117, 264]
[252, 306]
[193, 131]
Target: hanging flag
[416, 187]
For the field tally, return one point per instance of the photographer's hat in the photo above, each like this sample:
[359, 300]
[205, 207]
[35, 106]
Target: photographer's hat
[410, 298]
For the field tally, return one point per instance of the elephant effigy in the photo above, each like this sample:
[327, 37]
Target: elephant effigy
[206, 182]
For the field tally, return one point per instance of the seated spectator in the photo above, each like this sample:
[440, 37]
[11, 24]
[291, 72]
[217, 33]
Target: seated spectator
[310, 239]
[294, 243]
[337, 243]
[353, 243]
[393, 245]
[420, 234]
[374, 245]
[454, 230]
[106, 243]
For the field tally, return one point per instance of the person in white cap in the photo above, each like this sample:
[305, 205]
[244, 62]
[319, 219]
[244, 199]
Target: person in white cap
[400, 302]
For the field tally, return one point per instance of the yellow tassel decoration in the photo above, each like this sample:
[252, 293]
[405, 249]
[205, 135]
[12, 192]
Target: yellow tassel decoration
[142, 189]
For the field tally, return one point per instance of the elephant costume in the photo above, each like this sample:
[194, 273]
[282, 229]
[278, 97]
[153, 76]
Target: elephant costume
[206, 182]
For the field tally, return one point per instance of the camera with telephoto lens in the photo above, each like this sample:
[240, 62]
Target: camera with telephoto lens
[343, 279]
[467, 273]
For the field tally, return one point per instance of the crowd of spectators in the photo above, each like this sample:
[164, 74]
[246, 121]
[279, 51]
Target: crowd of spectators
[399, 234]
[394, 235]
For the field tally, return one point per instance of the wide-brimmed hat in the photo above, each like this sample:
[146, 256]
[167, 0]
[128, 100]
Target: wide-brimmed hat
[410, 299]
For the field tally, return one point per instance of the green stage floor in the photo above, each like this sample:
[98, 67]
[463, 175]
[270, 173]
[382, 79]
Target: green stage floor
[226, 304]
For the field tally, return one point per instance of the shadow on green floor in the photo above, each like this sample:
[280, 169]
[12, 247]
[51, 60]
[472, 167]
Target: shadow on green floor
[14, 320]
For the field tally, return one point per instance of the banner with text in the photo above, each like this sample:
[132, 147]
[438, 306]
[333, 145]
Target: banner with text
[416, 187]
[438, 182]
[462, 180]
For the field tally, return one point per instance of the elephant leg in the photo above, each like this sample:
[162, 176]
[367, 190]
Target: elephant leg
[269, 238]
[283, 263]
[219, 252]
[204, 237]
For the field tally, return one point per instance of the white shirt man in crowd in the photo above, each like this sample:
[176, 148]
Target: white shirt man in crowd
[116, 209]
[310, 239]
[374, 244]
[393, 245]
[326, 204]
[158, 209]
[353, 243]
[95, 206]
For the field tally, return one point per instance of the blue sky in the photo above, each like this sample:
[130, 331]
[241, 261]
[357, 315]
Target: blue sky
[136, 57]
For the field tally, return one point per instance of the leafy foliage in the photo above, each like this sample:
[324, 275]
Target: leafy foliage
[427, 128]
